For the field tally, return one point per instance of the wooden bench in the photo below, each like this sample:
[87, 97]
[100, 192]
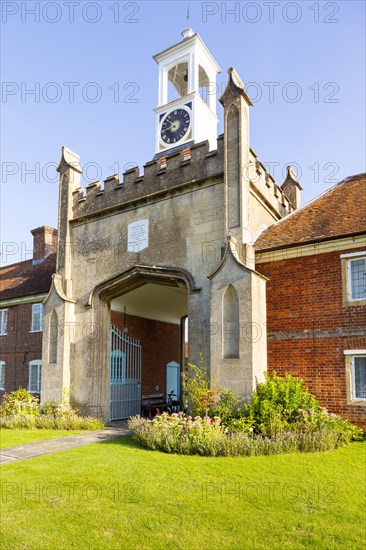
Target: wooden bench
[153, 402]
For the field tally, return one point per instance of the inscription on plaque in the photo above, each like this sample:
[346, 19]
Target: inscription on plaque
[138, 236]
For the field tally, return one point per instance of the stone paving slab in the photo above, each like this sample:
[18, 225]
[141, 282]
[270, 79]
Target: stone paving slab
[49, 446]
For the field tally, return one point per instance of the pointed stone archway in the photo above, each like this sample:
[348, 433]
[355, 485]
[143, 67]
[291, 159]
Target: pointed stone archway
[111, 292]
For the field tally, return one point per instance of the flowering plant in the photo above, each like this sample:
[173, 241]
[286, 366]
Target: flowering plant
[177, 433]
[200, 398]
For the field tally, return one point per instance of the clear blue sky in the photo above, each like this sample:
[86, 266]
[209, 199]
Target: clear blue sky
[319, 47]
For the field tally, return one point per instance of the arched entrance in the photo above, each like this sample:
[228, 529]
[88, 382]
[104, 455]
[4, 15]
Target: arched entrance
[143, 311]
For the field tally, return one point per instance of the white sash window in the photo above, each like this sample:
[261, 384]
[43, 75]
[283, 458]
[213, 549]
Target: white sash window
[35, 376]
[3, 321]
[37, 318]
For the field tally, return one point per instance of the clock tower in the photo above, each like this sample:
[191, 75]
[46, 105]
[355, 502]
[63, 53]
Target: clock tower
[186, 110]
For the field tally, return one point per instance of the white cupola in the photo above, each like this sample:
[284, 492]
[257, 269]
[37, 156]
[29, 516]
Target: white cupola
[186, 110]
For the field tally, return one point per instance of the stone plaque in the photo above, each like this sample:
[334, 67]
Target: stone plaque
[138, 236]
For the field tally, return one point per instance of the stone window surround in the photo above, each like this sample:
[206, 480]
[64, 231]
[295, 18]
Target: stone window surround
[349, 356]
[345, 258]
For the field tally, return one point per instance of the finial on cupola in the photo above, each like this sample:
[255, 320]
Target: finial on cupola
[187, 33]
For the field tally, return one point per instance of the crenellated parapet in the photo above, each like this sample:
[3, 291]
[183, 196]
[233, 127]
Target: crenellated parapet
[265, 187]
[196, 165]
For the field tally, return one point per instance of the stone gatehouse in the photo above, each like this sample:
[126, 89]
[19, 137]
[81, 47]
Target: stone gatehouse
[163, 261]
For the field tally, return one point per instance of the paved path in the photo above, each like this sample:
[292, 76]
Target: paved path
[38, 448]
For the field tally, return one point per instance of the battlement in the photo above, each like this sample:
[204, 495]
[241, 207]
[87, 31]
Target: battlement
[187, 166]
[265, 186]
[193, 165]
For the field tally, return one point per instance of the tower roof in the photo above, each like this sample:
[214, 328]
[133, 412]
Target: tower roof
[189, 38]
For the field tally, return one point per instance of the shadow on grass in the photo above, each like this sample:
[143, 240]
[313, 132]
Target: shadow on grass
[126, 441]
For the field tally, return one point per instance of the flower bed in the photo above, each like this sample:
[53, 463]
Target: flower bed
[21, 410]
[281, 417]
[208, 437]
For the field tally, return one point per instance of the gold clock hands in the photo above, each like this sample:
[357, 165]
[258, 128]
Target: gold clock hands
[174, 126]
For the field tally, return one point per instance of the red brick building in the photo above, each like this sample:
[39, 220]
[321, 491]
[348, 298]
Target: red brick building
[23, 287]
[151, 332]
[315, 260]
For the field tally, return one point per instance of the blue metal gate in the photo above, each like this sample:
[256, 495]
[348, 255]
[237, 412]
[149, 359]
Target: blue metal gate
[125, 376]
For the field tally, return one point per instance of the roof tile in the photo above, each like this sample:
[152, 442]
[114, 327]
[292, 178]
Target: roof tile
[25, 279]
[338, 212]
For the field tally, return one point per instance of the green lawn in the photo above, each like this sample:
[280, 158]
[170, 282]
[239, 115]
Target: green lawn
[10, 438]
[116, 495]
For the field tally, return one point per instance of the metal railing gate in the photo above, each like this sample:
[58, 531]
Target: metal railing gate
[125, 376]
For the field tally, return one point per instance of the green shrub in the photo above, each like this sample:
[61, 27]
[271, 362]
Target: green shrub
[203, 400]
[241, 424]
[17, 421]
[21, 410]
[199, 397]
[278, 405]
[281, 417]
[50, 422]
[226, 407]
[49, 408]
[69, 420]
[19, 402]
[282, 403]
[208, 437]
[341, 428]
[176, 433]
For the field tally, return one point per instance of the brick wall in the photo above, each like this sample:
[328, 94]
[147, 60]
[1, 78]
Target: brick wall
[309, 327]
[19, 347]
[160, 345]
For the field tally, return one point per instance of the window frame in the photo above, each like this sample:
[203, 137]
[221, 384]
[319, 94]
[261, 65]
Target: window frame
[39, 327]
[33, 363]
[350, 356]
[4, 313]
[350, 288]
[2, 375]
[347, 278]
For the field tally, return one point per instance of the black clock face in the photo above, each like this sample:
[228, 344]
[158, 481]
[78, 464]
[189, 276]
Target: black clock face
[175, 126]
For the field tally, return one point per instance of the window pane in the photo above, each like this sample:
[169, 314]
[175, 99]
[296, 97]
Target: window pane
[358, 279]
[34, 377]
[2, 375]
[37, 317]
[34, 317]
[3, 320]
[360, 377]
